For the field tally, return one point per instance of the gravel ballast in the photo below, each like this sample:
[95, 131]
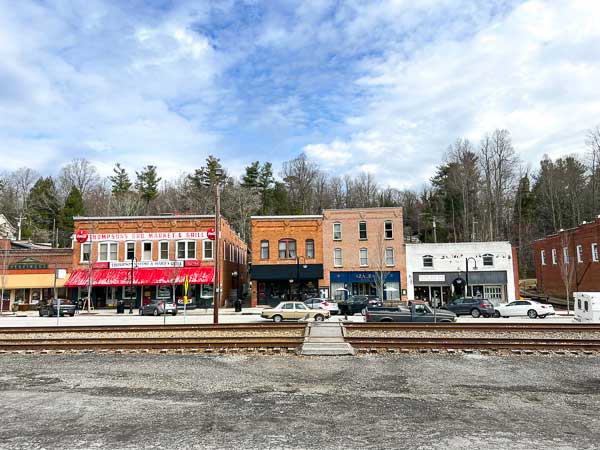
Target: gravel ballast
[155, 401]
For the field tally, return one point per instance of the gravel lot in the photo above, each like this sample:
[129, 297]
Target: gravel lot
[277, 402]
[549, 334]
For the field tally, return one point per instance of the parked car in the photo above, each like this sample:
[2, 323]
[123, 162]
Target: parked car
[415, 312]
[294, 311]
[474, 306]
[323, 303]
[523, 308]
[156, 307]
[358, 304]
[50, 308]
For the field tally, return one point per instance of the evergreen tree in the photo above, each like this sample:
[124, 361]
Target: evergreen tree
[147, 183]
[121, 183]
[73, 207]
[207, 175]
[43, 210]
[250, 178]
[265, 183]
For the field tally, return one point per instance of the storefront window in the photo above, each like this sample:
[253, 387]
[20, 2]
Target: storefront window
[21, 296]
[129, 292]
[163, 292]
[207, 291]
[36, 296]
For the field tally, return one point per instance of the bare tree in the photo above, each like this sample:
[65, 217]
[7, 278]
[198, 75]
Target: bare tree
[379, 264]
[566, 265]
[593, 144]
[299, 175]
[79, 173]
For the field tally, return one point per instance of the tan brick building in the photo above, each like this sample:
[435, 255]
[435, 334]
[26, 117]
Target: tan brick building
[144, 257]
[576, 251]
[363, 252]
[287, 257]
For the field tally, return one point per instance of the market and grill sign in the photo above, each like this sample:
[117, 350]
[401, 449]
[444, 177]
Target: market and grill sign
[28, 264]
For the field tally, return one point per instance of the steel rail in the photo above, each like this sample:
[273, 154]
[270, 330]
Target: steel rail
[474, 343]
[141, 328]
[549, 327]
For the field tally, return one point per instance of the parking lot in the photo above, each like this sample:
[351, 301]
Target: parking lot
[279, 402]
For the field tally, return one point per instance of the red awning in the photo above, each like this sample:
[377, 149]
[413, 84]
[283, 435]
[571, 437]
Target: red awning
[141, 277]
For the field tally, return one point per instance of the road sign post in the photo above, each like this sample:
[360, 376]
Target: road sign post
[185, 298]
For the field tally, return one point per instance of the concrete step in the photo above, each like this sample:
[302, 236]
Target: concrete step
[326, 349]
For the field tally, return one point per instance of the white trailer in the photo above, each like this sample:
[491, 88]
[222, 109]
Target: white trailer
[587, 307]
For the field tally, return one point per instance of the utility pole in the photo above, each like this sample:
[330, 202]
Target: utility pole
[434, 230]
[217, 278]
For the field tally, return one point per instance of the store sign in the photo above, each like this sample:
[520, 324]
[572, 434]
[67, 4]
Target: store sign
[433, 277]
[28, 264]
[148, 236]
[144, 264]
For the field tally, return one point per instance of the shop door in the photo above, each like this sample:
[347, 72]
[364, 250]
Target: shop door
[436, 296]
[494, 293]
[446, 295]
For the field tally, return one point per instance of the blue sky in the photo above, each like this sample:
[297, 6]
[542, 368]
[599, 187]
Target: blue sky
[379, 86]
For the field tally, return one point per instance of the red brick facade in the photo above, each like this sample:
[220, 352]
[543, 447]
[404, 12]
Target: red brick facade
[586, 274]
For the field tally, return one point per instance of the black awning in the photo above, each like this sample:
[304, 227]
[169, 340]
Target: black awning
[286, 272]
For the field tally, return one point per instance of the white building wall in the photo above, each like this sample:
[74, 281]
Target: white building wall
[450, 257]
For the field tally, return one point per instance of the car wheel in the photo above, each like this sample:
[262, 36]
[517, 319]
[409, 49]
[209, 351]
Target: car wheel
[532, 313]
[319, 318]
[72, 314]
[363, 311]
[141, 312]
[475, 313]
[40, 313]
[277, 318]
[497, 314]
[543, 316]
[174, 313]
[155, 312]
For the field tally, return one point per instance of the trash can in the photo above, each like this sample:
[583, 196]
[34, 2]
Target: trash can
[120, 307]
[238, 305]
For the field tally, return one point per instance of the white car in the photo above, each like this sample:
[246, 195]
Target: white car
[323, 303]
[527, 308]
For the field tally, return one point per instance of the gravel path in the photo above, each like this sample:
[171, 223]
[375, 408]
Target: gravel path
[475, 334]
[175, 402]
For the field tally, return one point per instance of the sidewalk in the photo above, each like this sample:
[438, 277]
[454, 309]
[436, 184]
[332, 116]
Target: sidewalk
[113, 312]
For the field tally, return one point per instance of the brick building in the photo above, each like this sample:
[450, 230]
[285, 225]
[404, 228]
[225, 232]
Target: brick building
[144, 257]
[575, 253]
[27, 273]
[287, 257]
[363, 252]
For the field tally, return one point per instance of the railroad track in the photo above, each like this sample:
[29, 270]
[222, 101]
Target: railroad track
[461, 327]
[460, 343]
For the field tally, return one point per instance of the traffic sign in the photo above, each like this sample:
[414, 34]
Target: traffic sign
[185, 285]
[211, 234]
[81, 236]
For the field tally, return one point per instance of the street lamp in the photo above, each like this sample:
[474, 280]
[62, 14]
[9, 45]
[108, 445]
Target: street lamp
[132, 300]
[304, 266]
[467, 274]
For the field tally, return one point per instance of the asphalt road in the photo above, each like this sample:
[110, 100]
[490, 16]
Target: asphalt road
[282, 402]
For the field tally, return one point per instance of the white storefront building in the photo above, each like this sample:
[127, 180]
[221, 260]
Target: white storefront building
[438, 272]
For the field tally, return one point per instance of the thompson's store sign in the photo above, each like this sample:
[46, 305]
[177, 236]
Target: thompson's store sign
[148, 236]
[144, 264]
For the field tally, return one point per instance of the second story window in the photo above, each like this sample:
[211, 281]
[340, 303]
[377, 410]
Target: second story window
[428, 261]
[147, 251]
[163, 250]
[207, 249]
[566, 255]
[388, 229]
[337, 257]
[310, 249]
[362, 231]
[287, 249]
[579, 254]
[389, 256]
[337, 231]
[186, 249]
[107, 251]
[364, 257]
[543, 257]
[595, 252]
[488, 260]
[264, 249]
[85, 252]
[129, 250]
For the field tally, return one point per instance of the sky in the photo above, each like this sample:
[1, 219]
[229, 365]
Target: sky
[380, 86]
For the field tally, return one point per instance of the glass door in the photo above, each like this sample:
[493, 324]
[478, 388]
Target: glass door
[436, 296]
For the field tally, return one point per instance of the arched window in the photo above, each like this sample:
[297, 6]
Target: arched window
[488, 260]
[287, 248]
[427, 261]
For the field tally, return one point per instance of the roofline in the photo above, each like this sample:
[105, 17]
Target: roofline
[446, 244]
[299, 217]
[165, 216]
[374, 208]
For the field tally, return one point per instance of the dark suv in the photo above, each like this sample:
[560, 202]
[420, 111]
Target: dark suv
[473, 306]
[358, 304]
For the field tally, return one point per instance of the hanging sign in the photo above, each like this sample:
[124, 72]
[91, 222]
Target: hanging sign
[81, 236]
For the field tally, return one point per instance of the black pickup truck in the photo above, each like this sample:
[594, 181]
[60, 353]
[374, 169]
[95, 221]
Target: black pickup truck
[413, 313]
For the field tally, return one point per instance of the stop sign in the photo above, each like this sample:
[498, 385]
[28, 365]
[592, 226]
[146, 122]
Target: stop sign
[81, 236]
[210, 233]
